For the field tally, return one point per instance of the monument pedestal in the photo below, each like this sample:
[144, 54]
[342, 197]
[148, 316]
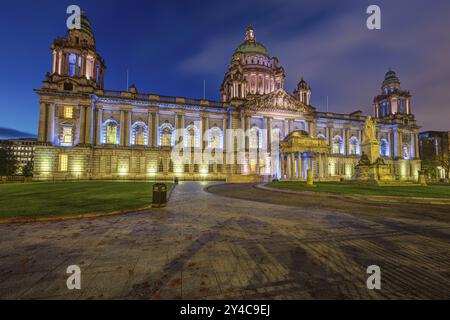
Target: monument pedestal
[371, 168]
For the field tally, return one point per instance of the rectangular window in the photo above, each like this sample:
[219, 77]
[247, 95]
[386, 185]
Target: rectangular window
[63, 162]
[68, 112]
[67, 136]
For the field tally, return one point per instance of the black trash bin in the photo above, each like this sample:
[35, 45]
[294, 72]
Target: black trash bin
[159, 195]
[176, 181]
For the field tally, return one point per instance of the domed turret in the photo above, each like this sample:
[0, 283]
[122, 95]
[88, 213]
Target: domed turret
[393, 100]
[303, 92]
[252, 71]
[391, 81]
[76, 57]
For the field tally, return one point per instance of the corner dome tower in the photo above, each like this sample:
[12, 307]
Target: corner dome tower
[76, 63]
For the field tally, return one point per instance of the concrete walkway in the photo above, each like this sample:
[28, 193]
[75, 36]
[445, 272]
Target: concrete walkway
[205, 246]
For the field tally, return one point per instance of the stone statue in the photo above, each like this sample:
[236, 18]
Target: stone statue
[370, 133]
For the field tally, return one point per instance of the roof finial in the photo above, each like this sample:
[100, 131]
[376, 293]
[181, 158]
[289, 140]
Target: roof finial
[250, 35]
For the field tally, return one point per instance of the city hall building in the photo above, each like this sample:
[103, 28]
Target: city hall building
[88, 132]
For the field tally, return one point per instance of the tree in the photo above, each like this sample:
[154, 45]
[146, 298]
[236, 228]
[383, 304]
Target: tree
[8, 163]
[446, 165]
[27, 170]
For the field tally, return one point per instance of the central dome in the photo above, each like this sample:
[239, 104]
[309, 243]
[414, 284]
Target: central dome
[250, 45]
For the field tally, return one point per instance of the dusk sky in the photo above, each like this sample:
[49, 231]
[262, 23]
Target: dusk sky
[170, 47]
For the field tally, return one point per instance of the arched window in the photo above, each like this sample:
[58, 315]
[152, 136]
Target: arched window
[191, 137]
[166, 135]
[384, 148]
[338, 145]
[353, 146]
[139, 134]
[72, 64]
[215, 138]
[111, 132]
[255, 138]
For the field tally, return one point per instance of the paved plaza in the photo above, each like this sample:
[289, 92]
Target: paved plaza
[235, 242]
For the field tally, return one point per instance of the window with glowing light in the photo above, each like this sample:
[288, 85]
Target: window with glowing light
[139, 134]
[353, 148]
[192, 137]
[166, 135]
[67, 137]
[68, 112]
[215, 140]
[63, 162]
[338, 145]
[111, 132]
[256, 141]
[384, 148]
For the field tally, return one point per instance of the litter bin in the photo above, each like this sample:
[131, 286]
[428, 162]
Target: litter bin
[176, 181]
[159, 195]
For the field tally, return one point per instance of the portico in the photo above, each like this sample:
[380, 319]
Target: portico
[299, 152]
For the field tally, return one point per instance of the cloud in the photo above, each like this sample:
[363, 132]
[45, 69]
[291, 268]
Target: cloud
[344, 60]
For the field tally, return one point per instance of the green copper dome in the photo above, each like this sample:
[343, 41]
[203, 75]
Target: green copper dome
[250, 45]
[86, 24]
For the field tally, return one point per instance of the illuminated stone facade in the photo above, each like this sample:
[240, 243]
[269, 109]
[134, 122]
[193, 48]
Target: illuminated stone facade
[87, 132]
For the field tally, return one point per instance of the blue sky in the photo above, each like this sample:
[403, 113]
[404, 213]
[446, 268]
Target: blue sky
[170, 47]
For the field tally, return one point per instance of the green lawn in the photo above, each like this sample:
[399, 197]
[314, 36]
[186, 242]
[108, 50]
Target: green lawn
[72, 198]
[434, 191]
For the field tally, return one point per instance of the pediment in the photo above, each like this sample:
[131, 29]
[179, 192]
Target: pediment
[278, 100]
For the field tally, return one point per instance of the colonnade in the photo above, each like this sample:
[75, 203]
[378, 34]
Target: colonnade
[295, 165]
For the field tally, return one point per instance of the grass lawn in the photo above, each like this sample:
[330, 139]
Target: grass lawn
[72, 198]
[434, 191]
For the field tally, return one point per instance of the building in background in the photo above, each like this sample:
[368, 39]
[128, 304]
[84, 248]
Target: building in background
[21, 149]
[434, 152]
[88, 132]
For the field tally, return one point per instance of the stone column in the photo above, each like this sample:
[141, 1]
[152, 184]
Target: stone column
[89, 114]
[82, 125]
[329, 138]
[288, 167]
[50, 124]
[416, 146]
[312, 129]
[283, 165]
[99, 127]
[320, 166]
[77, 69]
[326, 173]
[66, 66]
[42, 136]
[128, 128]
[269, 134]
[293, 176]
[122, 128]
[150, 130]
[205, 128]
[299, 166]
[399, 144]
[155, 141]
[247, 133]
[345, 138]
